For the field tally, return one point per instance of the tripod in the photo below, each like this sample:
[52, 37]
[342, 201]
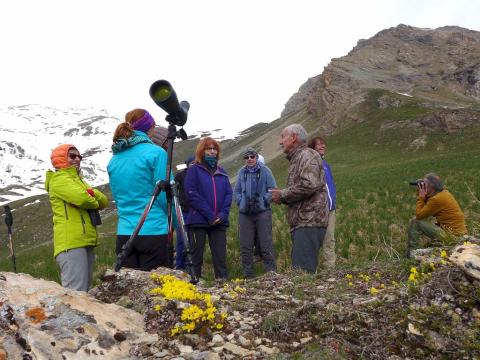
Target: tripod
[169, 188]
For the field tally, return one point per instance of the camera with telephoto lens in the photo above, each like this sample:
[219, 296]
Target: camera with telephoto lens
[417, 182]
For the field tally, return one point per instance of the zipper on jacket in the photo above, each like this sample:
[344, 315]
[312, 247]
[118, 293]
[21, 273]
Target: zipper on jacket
[83, 223]
[214, 196]
[65, 207]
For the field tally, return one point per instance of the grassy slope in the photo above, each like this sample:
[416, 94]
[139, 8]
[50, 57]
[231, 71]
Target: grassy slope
[371, 168]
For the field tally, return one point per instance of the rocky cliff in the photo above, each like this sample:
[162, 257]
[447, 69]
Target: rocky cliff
[440, 66]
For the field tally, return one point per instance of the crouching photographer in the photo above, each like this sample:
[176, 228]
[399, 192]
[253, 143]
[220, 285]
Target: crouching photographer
[255, 216]
[433, 200]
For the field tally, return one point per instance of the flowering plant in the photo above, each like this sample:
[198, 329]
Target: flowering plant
[200, 311]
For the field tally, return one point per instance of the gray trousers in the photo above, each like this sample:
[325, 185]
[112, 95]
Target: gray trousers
[257, 226]
[76, 268]
[306, 243]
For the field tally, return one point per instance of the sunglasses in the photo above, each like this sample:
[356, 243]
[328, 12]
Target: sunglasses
[250, 157]
[74, 156]
[211, 149]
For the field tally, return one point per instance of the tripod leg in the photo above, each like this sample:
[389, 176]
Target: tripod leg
[186, 242]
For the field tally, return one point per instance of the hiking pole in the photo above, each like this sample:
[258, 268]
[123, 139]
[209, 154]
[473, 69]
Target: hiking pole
[186, 240]
[9, 222]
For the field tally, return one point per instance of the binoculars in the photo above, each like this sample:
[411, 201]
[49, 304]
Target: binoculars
[163, 94]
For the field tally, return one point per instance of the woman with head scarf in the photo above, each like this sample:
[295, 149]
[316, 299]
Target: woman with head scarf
[74, 231]
[209, 196]
[136, 166]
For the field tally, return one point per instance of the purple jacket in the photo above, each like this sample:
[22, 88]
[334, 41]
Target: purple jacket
[209, 195]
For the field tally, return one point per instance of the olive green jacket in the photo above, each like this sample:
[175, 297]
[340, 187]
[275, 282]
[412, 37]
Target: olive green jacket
[72, 227]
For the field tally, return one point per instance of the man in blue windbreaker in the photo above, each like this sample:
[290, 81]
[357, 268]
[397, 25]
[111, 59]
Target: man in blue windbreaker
[254, 214]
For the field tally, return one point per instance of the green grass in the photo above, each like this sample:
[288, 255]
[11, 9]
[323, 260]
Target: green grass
[371, 165]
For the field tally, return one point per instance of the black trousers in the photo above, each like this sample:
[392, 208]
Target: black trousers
[217, 240]
[148, 252]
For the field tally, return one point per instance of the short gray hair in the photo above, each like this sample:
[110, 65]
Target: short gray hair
[298, 130]
[434, 180]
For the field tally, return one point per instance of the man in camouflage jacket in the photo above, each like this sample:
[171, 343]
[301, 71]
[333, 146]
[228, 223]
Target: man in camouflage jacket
[305, 196]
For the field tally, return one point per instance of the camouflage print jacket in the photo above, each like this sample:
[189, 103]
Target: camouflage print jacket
[306, 192]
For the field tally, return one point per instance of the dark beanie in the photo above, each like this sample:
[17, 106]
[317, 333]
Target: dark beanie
[250, 151]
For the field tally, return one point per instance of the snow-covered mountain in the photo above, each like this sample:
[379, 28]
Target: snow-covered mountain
[29, 133]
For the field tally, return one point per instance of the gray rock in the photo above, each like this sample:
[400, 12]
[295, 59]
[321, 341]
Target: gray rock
[244, 342]
[217, 340]
[236, 350]
[267, 350]
[69, 324]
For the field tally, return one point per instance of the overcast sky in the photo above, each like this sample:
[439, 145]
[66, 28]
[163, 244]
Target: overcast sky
[236, 62]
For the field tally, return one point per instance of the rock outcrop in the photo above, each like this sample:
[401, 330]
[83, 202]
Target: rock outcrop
[42, 320]
[440, 66]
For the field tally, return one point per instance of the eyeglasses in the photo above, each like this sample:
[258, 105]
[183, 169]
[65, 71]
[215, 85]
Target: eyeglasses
[211, 149]
[74, 156]
[250, 157]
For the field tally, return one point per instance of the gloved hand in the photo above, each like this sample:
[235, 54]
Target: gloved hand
[91, 192]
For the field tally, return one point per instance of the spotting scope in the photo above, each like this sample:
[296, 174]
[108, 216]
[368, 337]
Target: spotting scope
[164, 96]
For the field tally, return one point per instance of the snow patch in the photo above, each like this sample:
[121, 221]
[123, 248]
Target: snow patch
[31, 203]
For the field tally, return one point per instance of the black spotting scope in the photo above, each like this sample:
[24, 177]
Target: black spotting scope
[164, 96]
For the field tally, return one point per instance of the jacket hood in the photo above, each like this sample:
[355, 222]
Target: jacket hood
[59, 156]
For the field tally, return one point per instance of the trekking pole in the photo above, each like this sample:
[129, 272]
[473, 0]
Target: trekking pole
[186, 240]
[9, 223]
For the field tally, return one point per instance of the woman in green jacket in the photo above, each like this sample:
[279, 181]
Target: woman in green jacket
[73, 201]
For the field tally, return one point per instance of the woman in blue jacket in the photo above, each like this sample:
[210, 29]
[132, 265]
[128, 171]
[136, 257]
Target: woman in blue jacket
[136, 166]
[209, 195]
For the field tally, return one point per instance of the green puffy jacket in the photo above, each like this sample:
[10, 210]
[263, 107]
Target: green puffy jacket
[70, 200]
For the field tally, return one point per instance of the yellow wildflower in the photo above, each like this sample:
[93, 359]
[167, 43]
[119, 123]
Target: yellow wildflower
[349, 276]
[189, 326]
[443, 254]
[239, 289]
[373, 290]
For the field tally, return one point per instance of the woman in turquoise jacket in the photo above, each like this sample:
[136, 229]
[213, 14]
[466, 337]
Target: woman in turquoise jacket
[136, 166]
[74, 234]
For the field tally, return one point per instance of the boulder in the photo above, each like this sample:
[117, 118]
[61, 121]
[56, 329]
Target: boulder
[40, 319]
[467, 257]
